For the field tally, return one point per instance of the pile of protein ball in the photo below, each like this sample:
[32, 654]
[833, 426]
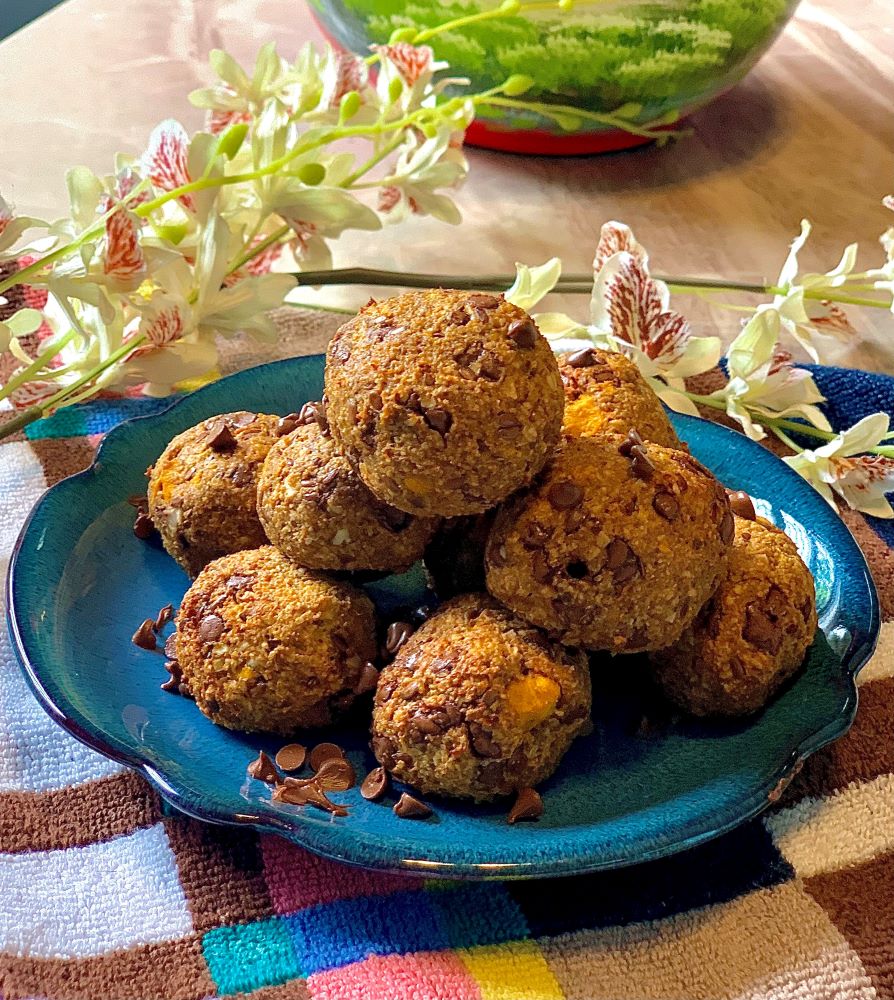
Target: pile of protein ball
[557, 514]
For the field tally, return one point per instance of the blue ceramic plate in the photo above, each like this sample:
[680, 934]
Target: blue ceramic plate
[80, 583]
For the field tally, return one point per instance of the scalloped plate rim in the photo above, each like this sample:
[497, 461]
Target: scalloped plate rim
[291, 826]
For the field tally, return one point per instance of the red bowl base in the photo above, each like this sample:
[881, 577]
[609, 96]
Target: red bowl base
[539, 142]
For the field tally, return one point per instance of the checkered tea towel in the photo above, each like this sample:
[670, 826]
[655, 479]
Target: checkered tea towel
[105, 895]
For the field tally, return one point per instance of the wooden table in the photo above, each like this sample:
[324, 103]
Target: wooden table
[809, 133]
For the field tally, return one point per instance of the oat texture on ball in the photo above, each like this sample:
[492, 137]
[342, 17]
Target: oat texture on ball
[445, 401]
[606, 394]
[478, 704]
[264, 645]
[751, 636]
[616, 546]
[203, 488]
[317, 511]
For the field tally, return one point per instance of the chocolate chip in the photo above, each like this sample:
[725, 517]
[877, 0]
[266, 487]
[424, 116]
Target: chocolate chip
[582, 359]
[315, 413]
[540, 568]
[263, 770]
[336, 775]
[741, 505]
[220, 438]
[727, 528]
[242, 419]
[396, 636]
[641, 465]
[438, 419]
[375, 784]
[288, 423]
[617, 553]
[369, 678]
[523, 333]
[459, 317]
[666, 505]
[497, 556]
[564, 495]
[171, 685]
[484, 299]
[144, 637]
[323, 752]
[299, 794]
[376, 402]
[211, 628]
[171, 646]
[807, 609]
[407, 807]
[241, 475]
[633, 440]
[507, 422]
[239, 580]
[761, 631]
[427, 725]
[163, 617]
[482, 741]
[291, 757]
[490, 369]
[143, 527]
[528, 805]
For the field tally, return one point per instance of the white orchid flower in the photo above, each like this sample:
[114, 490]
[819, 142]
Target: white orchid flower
[421, 169]
[762, 382]
[801, 316]
[12, 228]
[21, 324]
[841, 467]
[532, 284]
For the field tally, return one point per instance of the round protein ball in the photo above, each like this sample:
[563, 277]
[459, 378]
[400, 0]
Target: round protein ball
[266, 646]
[616, 547]
[445, 401]
[606, 394]
[203, 488]
[478, 704]
[317, 511]
[751, 636]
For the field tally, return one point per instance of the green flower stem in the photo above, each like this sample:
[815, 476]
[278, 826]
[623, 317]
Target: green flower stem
[19, 421]
[319, 307]
[36, 365]
[496, 14]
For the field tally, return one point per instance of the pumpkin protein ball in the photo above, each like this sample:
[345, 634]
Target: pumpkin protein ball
[445, 401]
[317, 511]
[606, 394]
[202, 489]
[266, 646]
[616, 546]
[752, 635]
[478, 704]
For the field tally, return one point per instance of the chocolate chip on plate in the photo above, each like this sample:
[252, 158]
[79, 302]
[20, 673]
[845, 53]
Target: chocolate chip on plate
[396, 636]
[291, 757]
[220, 438]
[375, 784]
[527, 805]
[741, 505]
[407, 807]
[144, 637]
[301, 793]
[163, 617]
[323, 752]
[263, 769]
[336, 775]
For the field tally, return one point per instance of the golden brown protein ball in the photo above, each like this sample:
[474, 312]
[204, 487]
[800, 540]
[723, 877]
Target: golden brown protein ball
[478, 704]
[752, 635]
[455, 556]
[264, 645]
[203, 488]
[445, 401]
[606, 394]
[316, 510]
[616, 546]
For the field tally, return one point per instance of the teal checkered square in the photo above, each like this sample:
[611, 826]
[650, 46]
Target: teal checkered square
[246, 957]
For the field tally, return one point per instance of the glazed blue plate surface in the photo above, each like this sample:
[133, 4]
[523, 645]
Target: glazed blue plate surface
[80, 583]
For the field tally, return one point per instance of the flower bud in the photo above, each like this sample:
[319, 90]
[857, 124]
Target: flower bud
[311, 173]
[350, 105]
[395, 89]
[517, 84]
[510, 7]
[229, 142]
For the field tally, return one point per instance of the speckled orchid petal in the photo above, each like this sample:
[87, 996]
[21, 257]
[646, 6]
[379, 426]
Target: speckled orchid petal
[165, 159]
